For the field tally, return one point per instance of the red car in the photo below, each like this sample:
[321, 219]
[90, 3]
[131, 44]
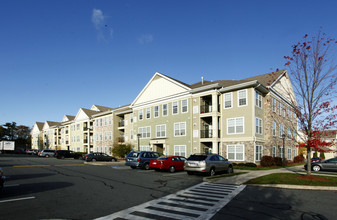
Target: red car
[171, 163]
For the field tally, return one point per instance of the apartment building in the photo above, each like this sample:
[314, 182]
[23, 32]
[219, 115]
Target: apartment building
[241, 120]
[37, 135]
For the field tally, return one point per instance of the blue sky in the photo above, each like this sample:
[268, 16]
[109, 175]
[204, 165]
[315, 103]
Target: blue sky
[57, 56]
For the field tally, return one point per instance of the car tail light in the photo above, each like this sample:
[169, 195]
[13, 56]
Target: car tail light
[138, 159]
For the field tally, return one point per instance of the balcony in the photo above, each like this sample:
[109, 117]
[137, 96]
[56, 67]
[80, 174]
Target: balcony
[121, 139]
[121, 124]
[85, 141]
[208, 134]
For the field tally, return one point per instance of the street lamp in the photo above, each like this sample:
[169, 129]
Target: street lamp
[283, 137]
[138, 136]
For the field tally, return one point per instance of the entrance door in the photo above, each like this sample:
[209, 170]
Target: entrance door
[160, 148]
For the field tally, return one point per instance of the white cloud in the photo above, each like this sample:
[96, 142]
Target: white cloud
[145, 38]
[104, 31]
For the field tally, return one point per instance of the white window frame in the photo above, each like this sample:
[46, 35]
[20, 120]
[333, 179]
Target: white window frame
[281, 130]
[258, 152]
[148, 113]
[156, 111]
[258, 99]
[274, 129]
[184, 105]
[281, 153]
[161, 130]
[145, 132]
[164, 110]
[227, 96]
[273, 151]
[235, 120]
[246, 97]
[236, 152]
[181, 131]
[180, 150]
[274, 104]
[175, 106]
[279, 107]
[289, 154]
[258, 126]
[140, 114]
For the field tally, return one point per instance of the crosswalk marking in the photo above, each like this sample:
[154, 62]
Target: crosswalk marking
[199, 202]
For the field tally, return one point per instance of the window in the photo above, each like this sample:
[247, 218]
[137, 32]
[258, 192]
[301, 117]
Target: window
[288, 113]
[235, 152]
[156, 111]
[105, 121]
[242, 95]
[78, 127]
[174, 108]
[289, 133]
[110, 135]
[258, 152]
[258, 99]
[180, 129]
[281, 131]
[289, 153]
[258, 126]
[131, 118]
[140, 114]
[228, 100]
[274, 128]
[101, 122]
[274, 105]
[180, 150]
[274, 151]
[283, 111]
[279, 108]
[184, 107]
[110, 120]
[148, 113]
[160, 131]
[281, 151]
[144, 148]
[100, 136]
[164, 109]
[145, 132]
[131, 134]
[235, 126]
[105, 136]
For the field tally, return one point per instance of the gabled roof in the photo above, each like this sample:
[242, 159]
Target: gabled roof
[68, 118]
[49, 124]
[267, 79]
[88, 112]
[39, 125]
[100, 108]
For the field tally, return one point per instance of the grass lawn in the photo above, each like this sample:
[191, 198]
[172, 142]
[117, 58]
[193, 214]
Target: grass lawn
[238, 167]
[295, 179]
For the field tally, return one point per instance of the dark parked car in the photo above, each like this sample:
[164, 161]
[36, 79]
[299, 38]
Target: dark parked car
[171, 163]
[61, 154]
[329, 165]
[98, 157]
[2, 179]
[315, 159]
[207, 163]
[141, 159]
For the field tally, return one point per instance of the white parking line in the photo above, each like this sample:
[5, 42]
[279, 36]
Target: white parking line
[19, 199]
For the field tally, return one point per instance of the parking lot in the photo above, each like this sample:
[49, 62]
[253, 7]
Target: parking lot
[44, 188]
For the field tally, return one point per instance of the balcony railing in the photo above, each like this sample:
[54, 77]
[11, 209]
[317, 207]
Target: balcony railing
[208, 134]
[85, 141]
[121, 124]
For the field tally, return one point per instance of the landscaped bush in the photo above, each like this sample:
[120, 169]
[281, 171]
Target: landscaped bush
[267, 161]
[278, 161]
[299, 159]
[121, 150]
[315, 154]
[245, 164]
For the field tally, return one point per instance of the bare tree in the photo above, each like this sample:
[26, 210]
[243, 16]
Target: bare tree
[313, 75]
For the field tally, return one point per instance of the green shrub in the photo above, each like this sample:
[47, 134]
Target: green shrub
[315, 154]
[121, 150]
[267, 161]
[299, 159]
[321, 155]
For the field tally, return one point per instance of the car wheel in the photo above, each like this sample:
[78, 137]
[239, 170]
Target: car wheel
[316, 168]
[212, 172]
[47, 155]
[93, 160]
[146, 166]
[172, 169]
[230, 169]
[133, 167]
[190, 172]
[114, 160]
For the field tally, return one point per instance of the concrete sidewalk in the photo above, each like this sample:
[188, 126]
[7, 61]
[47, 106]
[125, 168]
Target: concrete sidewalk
[251, 174]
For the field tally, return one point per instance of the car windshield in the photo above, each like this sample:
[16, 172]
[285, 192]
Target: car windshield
[133, 154]
[197, 157]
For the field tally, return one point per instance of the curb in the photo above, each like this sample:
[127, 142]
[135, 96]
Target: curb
[284, 186]
[104, 163]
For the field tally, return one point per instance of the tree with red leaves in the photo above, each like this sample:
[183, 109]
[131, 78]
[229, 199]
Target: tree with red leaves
[313, 76]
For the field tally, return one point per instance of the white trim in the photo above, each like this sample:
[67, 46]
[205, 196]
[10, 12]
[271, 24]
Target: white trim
[161, 131]
[177, 108]
[235, 152]
[181, 106]
[224, 100]
[174, 129]
[235, 132]
[238, 98]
